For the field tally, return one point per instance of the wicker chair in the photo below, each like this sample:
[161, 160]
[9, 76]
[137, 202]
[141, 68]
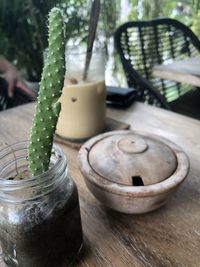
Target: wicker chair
[19, 98]
[143, 44]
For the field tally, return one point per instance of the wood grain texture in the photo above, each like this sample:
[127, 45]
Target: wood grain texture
[186, 71]
[119, 157]
[109, 172]
[168, 237]
[111, 125]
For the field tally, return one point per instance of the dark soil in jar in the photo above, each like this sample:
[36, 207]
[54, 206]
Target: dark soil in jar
[34, 241]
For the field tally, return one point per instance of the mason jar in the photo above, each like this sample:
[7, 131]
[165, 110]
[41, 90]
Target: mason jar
[40, 222]
[83, 99]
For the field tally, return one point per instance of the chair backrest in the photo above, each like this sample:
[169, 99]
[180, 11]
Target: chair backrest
[143, 44]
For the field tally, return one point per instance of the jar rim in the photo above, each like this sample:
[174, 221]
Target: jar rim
[37, 179]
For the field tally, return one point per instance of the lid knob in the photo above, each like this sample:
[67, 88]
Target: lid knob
[132, 145]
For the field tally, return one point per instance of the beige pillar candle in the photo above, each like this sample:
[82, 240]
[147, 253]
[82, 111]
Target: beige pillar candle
[83, 110]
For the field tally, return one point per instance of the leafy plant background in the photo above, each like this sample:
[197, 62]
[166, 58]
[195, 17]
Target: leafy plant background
[23, 30]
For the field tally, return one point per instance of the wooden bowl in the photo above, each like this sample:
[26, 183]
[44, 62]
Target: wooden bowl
[132, 172]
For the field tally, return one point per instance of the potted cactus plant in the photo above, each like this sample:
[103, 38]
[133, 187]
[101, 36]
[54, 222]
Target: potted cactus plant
[40, 221]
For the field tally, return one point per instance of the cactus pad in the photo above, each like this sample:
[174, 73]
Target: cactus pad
[48, 107]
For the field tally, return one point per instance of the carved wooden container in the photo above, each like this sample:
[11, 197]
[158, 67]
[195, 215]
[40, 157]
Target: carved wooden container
[132, 172]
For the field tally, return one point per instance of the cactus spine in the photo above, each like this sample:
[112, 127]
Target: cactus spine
[48, 107]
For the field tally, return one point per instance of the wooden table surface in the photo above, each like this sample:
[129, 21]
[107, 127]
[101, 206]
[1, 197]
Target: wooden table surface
[168, 237]
[186, 71]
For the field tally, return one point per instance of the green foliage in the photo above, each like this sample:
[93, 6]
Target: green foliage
[196, 25]
[195, 5]
[184, 10]
[48, 109]
[23, 31]
[187, 11]
[109, 16]
[75, 13]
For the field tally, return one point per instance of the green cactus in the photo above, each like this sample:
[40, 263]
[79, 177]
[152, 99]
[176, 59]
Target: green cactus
[48, 107]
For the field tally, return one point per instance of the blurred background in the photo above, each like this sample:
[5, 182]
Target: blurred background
[23, 28]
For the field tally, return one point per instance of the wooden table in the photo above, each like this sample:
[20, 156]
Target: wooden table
[185, 71]
[168, 237]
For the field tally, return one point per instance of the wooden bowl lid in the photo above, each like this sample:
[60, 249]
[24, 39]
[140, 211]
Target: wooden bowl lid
[132, 159]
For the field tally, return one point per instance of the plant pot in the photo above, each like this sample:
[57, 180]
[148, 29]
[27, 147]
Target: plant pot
[83, 102]
[40, 222]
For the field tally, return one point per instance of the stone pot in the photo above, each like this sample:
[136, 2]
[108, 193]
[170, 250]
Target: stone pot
[132, 172]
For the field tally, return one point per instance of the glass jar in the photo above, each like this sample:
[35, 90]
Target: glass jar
[40, 222]
[83, 110]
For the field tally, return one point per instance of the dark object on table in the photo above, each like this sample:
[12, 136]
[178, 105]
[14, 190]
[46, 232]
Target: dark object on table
[143, 44]
[19, 97]
[120, 97]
